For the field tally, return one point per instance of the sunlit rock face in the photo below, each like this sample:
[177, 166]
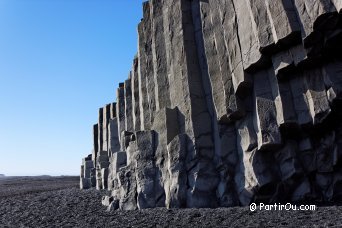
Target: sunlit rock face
[228, 102]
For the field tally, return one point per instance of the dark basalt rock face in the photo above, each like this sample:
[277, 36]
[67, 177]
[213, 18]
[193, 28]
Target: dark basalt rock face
[228, 102]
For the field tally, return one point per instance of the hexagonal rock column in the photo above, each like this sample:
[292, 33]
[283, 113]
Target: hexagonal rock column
[128, 105]
[113, 137]
[102, 164]
[160, 66]
[228, 106]
[265, 122]
[106, 118]
[118, 160]
[145, 69]
[241, 80]
[87, 178]
[148, 189]
[100, 130]
[187, 94]
[135, 96]
[120, 109]
[176, 181]
[95, 141]
[166, 127]
[283, 22]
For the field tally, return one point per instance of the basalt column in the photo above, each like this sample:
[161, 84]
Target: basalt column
[228, 102]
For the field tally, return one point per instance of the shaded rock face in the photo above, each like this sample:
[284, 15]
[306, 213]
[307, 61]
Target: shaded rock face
[228, 102]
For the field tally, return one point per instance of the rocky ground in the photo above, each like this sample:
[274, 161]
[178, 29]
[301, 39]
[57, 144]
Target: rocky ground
[57, 202]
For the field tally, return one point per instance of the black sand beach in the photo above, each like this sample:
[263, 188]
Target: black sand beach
[58, 202]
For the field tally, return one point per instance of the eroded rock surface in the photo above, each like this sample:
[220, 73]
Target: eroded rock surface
[228, 102]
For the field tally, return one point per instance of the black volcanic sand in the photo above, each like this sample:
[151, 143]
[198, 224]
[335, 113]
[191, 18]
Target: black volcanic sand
[57, 202]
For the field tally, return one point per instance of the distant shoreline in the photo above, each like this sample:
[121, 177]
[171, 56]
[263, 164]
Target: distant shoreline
[2, 176]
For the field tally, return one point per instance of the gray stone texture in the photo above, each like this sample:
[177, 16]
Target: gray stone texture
[112, 110]
[148, 190]
[265, 112]
[145, 69]
[105, 132]
[128, 188]
[135, 96]
[241, 79]
[100, 130]
[160, 67]
[166, 127]
[87, 175]
[102, 164]
[128, 106]
[175, 183]
[113, 137]
[95, 140]
[120, 109]
[248, 34]
[228, 102]
[283, 22]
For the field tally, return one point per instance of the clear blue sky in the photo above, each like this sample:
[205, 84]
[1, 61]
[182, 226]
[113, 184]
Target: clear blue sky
[60, 60]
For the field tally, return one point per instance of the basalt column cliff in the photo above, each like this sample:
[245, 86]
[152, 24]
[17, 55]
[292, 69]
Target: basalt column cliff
[228, 102]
